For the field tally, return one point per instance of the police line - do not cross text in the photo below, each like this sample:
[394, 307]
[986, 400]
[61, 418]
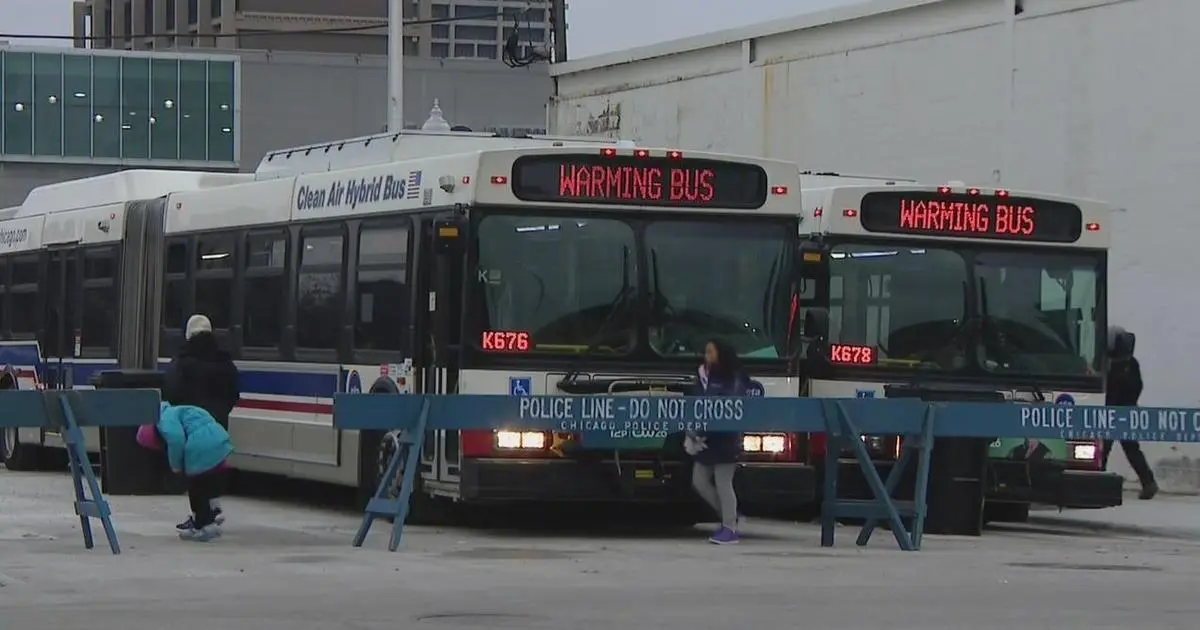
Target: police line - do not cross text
[640, 414]
[1151, 424]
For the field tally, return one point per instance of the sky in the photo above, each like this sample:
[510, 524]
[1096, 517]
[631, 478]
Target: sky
[596, 26]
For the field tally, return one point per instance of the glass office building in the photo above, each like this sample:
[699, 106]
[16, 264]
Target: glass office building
[135, 109]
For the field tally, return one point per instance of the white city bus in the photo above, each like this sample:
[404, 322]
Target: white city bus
[464, 263]
[969, 294]
[77, 263]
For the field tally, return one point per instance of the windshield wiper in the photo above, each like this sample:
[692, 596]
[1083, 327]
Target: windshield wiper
[620, 304]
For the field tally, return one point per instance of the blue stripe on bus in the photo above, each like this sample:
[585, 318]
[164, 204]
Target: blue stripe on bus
[270, 382]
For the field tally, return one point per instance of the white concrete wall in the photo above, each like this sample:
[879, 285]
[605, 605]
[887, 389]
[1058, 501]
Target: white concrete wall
[1084, 97]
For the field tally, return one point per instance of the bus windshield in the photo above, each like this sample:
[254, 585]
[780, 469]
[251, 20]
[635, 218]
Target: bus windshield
[601, 285]
[957, 309]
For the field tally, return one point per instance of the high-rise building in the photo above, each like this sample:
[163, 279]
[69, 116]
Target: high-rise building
[480, 33]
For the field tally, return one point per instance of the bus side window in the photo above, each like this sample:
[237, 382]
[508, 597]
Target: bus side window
[381, 300]
[3, 299]
[23, 296]
[176, 296]
[214, 278]
[319, 290]
[99, 298]
[265, 264]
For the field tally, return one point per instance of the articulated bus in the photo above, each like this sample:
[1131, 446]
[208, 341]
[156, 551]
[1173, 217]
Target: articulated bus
[468, 264]
[961, 293]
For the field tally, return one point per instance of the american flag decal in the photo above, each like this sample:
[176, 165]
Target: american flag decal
[412, 189]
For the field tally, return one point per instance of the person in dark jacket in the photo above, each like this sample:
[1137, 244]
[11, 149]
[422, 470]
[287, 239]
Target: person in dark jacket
[202, 375]
[716, 454]
[1123, 389]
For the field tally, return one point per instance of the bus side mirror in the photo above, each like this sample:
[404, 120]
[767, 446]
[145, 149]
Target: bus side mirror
[816, 323]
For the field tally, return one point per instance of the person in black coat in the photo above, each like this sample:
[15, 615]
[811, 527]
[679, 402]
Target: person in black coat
[202, 374]
[1123, 389]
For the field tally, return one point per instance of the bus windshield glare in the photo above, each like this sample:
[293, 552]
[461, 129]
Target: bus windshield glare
[953, 308]
[602, 284]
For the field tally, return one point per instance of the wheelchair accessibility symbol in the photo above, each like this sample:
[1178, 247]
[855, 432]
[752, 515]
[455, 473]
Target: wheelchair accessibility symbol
[520, 386]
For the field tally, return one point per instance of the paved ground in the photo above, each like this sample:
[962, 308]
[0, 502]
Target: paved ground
[282, 566]
[1165, 515]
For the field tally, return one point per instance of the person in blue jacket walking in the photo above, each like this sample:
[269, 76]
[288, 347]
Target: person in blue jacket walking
[716, 454]
[198, 447]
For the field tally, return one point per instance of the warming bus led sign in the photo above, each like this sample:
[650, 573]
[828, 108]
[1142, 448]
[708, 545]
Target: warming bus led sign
[607, 178]
[971, 216]
[852, 354]
[505, 341]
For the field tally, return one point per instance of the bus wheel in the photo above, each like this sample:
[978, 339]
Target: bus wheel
[18, 456]
[423, 509]
[1006, 512]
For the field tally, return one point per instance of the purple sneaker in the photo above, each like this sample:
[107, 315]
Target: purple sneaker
[724, 536]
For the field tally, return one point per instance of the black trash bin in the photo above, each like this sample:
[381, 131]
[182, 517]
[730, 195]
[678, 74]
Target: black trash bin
[125, 467]
[957, 465]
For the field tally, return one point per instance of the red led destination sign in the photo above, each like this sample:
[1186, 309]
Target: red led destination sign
[971, 216]
[852, 354]
[505, 341]
[649, 181]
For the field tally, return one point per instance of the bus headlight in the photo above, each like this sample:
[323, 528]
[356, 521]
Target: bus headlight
[1083, 452]
[520, 439]
[764, 442]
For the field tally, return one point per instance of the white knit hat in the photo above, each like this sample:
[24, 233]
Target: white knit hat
[197, 324]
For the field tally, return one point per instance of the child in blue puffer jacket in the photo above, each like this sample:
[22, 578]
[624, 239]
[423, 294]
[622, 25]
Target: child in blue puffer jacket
[199, 448]
[716, 454]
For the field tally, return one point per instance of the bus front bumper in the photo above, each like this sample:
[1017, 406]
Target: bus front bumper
[499, 480]
[1055, 485]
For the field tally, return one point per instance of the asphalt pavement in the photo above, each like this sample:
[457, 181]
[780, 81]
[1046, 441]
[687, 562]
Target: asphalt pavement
[283, 566]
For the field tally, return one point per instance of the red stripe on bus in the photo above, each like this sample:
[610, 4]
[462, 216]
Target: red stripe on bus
[286, 405]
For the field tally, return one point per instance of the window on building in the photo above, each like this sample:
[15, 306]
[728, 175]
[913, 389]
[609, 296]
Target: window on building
[170, 14]
[440, 31]
[486, 51]
[100, 301]
[164, 110]
[439, 50]
[440, 11]
[524, 15]
[127, 20]
[47, 104]
[214, 277]
[265, 290]
[77, 105]
[382, 292]
[319, 291]
[106, 107]
[412, 46]
[17, 90]
[221, 111]
[478, 33]
[193, 110]
[148, 16]
[536, 35]
[193, 11]
[474, 11]
[464, 51]
[215, 9]
[135, 110]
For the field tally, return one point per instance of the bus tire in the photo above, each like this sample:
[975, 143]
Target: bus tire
[423, 509]
[18, 456]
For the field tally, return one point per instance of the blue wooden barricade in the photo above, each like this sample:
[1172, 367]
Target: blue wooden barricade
[67, 412]
[843, 420]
